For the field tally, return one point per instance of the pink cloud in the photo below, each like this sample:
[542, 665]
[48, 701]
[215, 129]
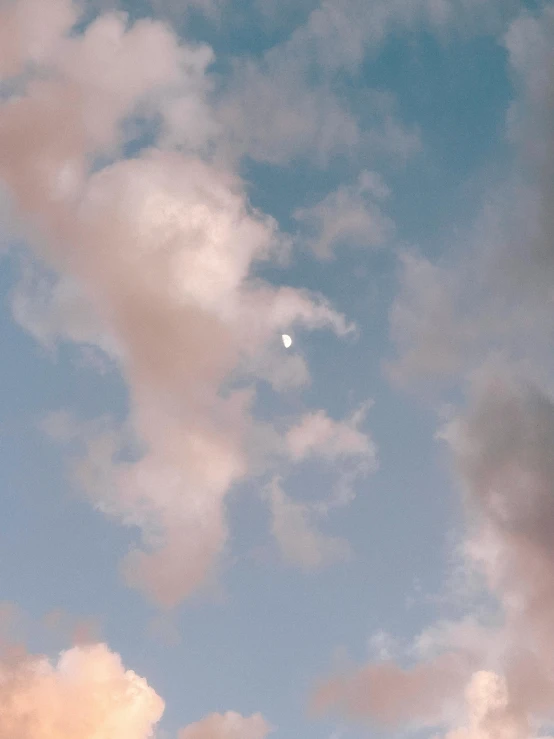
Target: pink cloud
[88, 693]
[502, 447]
[161, 247]
[390, 695]
[30, 31]
[229, 725]
[318, 435]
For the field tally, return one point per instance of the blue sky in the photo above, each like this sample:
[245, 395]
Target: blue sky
[184, 182]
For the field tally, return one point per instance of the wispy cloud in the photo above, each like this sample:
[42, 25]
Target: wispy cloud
[350, 216]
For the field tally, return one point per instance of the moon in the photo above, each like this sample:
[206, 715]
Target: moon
[287, 341]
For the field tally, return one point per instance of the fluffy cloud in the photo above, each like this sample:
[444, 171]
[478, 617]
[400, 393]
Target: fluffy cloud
[433, 336]
[156, 252]
[88, 693]
[285, 106]
[159, 249]
[121, 490]
[490, 711]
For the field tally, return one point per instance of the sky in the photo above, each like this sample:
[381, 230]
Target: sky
[205, 534]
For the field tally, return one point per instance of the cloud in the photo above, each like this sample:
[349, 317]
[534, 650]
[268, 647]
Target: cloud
[472, 634]
[433, 335]
[391, 696]
[347, 217]
[30, 31]
[339, 34]
[88, 693]
[316, 434]
[174, 11]
[493, 295]
[481, 320]
[382, 645]
[281, 371]
[502, 448]
[501, 443]
[491, 714]
[51, 307]
[274, 112]
[229, 725]
[299, 540]
[156, 252]
[271, 113]
[348, 454]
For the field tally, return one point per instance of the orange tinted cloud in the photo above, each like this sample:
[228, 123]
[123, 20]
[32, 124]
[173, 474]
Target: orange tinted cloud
[88, 693]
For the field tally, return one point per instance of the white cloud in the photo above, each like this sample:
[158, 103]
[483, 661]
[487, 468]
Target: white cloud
[491, 712]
